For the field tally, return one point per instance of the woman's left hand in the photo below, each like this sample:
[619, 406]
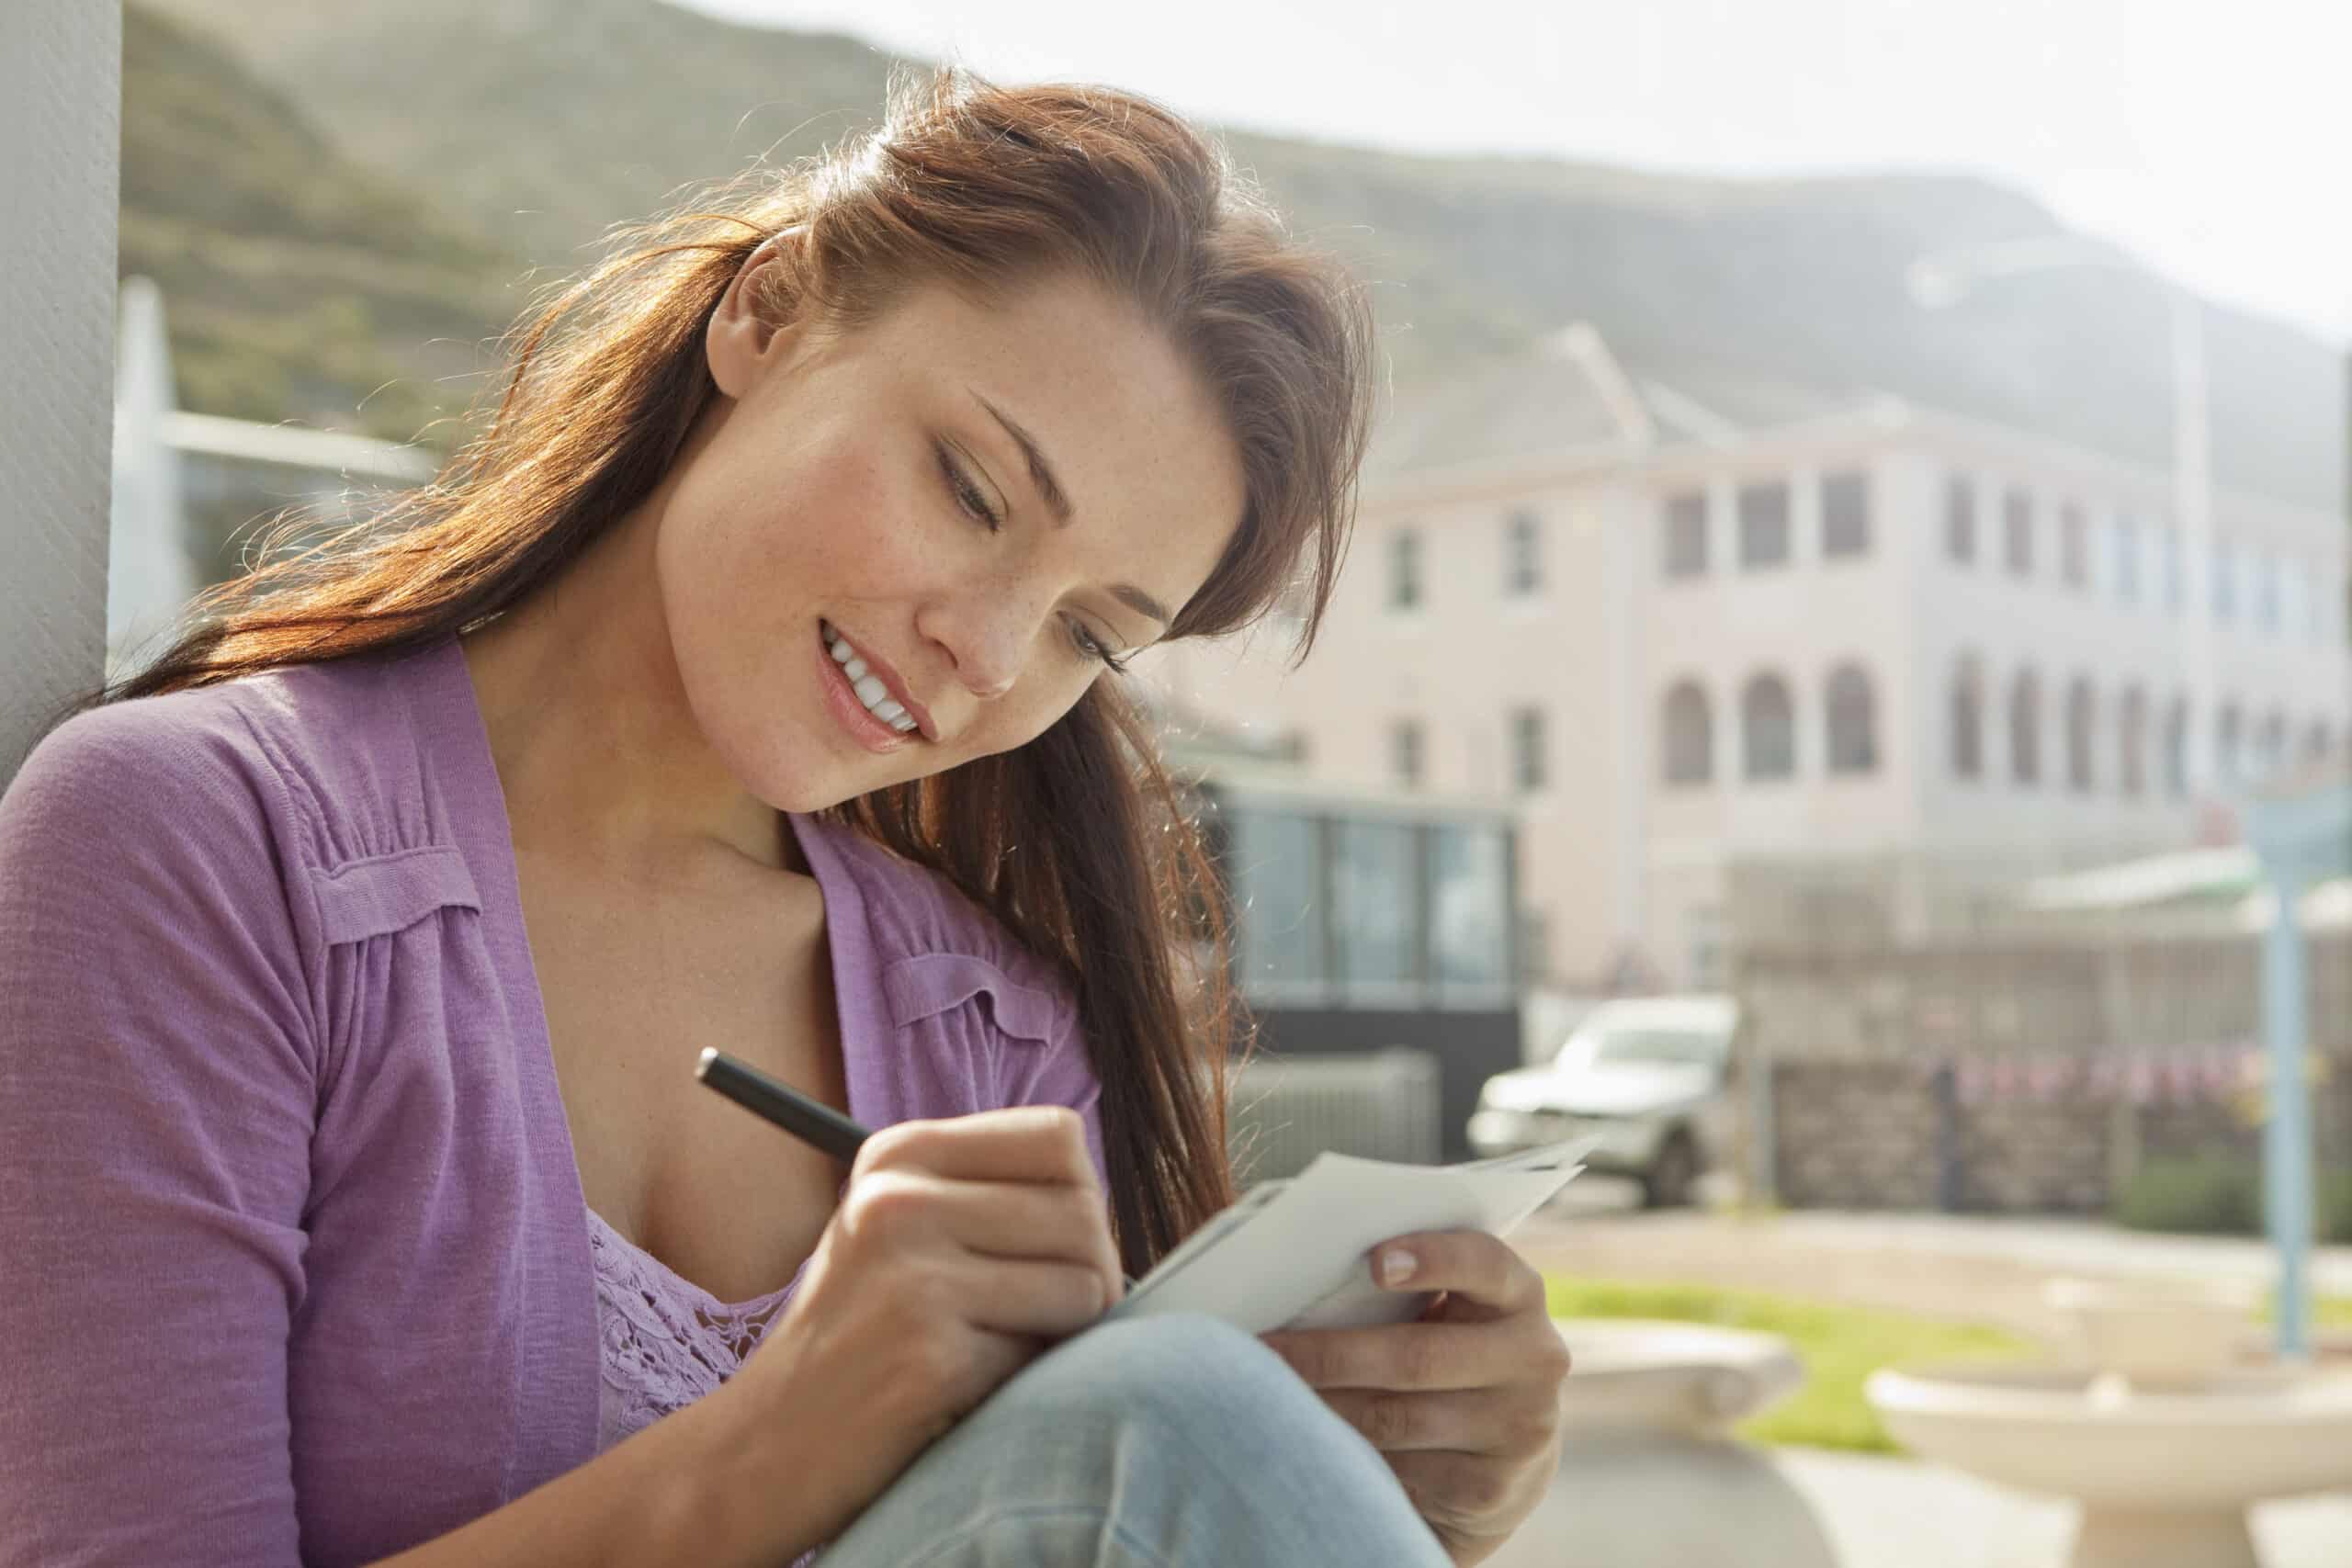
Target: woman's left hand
[1465, 1402]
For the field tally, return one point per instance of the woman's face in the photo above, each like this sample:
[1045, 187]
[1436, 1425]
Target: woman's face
[976, 503]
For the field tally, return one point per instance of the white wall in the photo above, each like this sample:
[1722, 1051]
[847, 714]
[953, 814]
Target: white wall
[61, 97]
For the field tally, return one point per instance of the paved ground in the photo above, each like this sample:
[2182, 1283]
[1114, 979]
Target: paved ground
[1882, 1512]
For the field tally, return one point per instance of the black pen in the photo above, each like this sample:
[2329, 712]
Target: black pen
[811, 1121]
[808, 1120]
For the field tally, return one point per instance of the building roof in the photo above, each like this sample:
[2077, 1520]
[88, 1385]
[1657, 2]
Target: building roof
[1571, 393]
[1571, 400]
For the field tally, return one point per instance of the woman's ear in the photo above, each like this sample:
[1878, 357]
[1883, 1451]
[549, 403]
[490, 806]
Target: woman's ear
[745, 338]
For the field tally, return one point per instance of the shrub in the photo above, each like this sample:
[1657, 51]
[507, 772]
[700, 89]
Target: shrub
[2220, 1193]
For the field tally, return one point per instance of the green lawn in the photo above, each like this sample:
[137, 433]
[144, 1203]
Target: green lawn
[1840, 1345]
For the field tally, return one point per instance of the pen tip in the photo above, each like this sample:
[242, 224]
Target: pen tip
[709, 1054]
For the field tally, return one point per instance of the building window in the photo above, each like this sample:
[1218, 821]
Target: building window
[2025, 729]
[1404, 752]
[2125, 568]
[2176, 749]
[1763, 525]
[2228, 762]
[1527, 747]
[1523, 554]
[1967, 738]
[1404, 568]
[1686, 535]
[2074, 547]
[1844, 514]
[1376, 903]
[2174, 593]
[2016, 532]
[2265, 593]
[1768, 724]
[1853, 732]
[1689, 731]
[2082, 725]
[1960, 519]
[2270, 751]
[2225, 594]
[2317, 741]
[2132, 742]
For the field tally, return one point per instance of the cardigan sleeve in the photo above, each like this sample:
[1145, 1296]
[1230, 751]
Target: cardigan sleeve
[157, 1098]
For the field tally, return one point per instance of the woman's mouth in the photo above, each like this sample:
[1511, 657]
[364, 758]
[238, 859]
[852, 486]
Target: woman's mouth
[859, 698]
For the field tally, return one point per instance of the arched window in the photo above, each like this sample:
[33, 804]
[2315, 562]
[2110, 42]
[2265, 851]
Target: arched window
[1967, 719]
[2025, 728]
[1689, 731]
[2132, 741]
[2081, 724]
[2177, 749]
[2229, 761]
[1853, 727]
[1767, 723]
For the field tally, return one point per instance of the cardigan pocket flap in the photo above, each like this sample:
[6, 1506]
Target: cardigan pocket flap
[930, 982]
[390, 893]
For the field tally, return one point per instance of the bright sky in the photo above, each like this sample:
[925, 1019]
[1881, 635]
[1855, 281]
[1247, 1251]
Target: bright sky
[2210, 139]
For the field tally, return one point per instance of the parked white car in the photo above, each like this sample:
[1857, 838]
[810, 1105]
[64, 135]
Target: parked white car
[1645, 1073]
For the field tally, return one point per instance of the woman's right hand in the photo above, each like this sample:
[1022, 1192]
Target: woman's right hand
[961, 1250]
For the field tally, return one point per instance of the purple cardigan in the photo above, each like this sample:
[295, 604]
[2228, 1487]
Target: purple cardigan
[298, 1252]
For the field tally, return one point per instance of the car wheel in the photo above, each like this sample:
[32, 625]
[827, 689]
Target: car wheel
[1667, 1184]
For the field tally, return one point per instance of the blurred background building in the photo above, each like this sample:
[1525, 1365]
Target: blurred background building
[1692, 623]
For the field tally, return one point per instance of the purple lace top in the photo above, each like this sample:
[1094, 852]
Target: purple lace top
[666, 1341]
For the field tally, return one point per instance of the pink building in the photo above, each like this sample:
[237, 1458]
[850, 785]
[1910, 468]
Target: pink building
[1691, 623]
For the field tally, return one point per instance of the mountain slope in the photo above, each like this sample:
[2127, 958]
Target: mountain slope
[297, 284]
[538, 122]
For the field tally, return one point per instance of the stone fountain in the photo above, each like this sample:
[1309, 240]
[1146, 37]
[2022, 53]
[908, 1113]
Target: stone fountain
[2160, 1429]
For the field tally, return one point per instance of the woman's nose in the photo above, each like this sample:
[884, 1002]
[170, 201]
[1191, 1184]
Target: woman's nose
[985, 636]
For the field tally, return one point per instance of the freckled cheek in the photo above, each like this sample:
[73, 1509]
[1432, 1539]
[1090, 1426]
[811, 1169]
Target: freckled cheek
[844, 533]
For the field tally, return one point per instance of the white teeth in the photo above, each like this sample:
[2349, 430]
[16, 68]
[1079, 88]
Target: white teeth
[868, 687]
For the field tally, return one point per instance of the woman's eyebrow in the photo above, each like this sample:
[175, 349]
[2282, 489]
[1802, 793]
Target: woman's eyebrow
[1041, 472]
[1136, 598]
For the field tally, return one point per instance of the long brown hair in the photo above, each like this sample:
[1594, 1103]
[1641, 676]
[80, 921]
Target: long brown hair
[1078, 841]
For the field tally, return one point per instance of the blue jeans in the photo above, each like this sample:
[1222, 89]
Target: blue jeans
[1161, 1442]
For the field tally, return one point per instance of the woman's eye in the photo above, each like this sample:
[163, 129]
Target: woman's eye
[967, 494]
[1092, 646]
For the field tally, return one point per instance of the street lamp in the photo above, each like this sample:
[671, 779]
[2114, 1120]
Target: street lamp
[1943, 280]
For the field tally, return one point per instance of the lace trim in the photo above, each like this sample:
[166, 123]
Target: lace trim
[666, 1341]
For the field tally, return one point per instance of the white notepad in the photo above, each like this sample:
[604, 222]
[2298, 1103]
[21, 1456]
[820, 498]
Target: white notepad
[1295, 1254]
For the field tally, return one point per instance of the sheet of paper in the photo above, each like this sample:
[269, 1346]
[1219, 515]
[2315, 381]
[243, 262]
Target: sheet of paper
[1294, 1254]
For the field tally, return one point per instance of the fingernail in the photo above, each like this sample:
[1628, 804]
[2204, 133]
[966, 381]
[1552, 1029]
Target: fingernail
[1397, 1266]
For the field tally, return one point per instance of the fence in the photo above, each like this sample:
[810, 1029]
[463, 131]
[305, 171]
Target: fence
[1967, 999]
[1287, 1109]
[2049, 1133]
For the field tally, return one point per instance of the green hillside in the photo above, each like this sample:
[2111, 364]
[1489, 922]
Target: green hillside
[537, 123]
[298, 284]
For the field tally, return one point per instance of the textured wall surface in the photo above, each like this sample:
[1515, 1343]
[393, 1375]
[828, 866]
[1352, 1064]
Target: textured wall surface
[60, 121]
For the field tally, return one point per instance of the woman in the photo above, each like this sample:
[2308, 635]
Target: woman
[759, 662]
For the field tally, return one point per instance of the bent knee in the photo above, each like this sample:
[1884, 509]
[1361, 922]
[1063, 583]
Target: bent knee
[1168, 1364]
